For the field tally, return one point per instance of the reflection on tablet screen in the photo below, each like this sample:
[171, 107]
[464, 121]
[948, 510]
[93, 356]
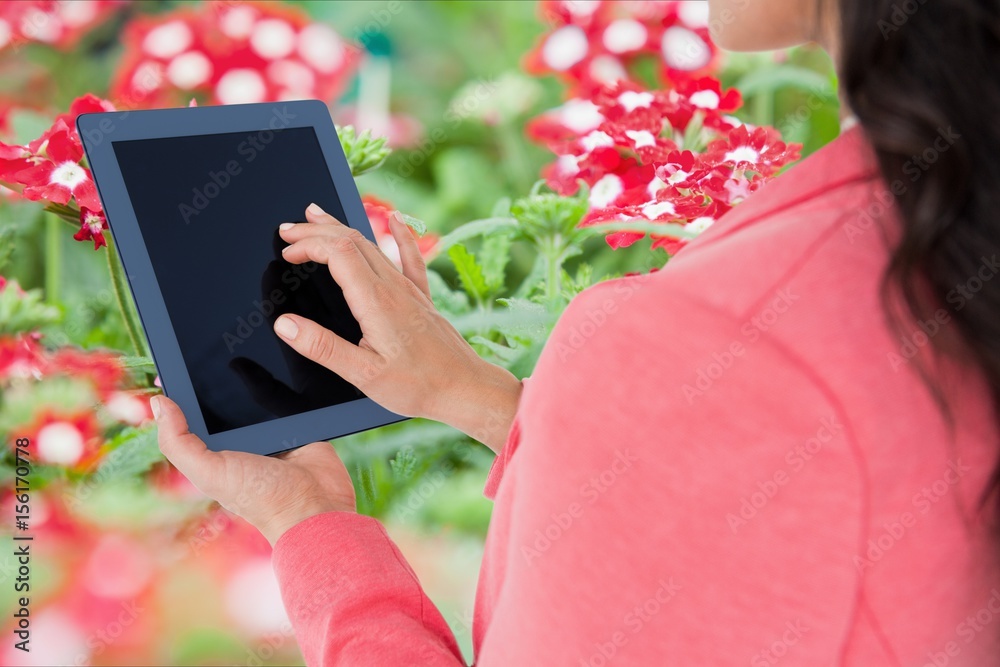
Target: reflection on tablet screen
[208, 208]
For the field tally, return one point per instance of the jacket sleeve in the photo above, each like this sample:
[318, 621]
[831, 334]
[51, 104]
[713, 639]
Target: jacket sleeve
[353, 599]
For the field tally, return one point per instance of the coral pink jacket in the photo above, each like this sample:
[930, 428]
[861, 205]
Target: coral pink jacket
[730, 461]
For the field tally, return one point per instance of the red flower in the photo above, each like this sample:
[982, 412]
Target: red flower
[59, 176]
[66, 439]
[92, 226]
[21, 356]
[758, 149]
[378, 214]
[60, 24]
[101, 369]
[598, 43]
[230, 53]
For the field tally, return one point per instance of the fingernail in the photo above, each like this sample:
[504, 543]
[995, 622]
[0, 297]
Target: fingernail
[154, 405]
[286, 328]
[396, 217]
[315, 210]
[285, 249]
[286, 226]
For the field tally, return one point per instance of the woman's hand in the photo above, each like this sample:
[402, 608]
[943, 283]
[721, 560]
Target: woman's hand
[410, 359]
[271, 492]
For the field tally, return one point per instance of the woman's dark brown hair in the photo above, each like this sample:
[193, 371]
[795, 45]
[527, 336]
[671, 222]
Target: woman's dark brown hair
[913, 71]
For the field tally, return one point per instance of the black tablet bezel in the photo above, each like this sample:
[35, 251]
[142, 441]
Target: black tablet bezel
[98, 131]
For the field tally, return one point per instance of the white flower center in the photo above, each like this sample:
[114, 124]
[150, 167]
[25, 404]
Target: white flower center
[678, 176]
[69, 175]
[743, 154]
[321, 48]
[272, 39]
[695, 14]
[641, 137]
[238, 22]
[606, 191]
[77, 13]
[241, 86]
[705, 99]
[293, 75]
[581, 7]
[684, 50]
[41, 26]
[60, 443]
[658, 210]
[567, 164]
[189, 70]
[565, 47]
[580, 115]
[624, 35]
[4, 33]
[607, 69]
[148, 76]
[632, 100]
[698, 225]
[596, 140]
[168, 40]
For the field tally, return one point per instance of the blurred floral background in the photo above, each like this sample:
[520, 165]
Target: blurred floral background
[534, 148]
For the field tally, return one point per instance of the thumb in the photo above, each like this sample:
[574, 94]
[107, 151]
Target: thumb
[326, 348]
[181, 447]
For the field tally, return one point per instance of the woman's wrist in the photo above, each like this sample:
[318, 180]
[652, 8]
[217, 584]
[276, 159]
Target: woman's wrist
[482, 406]
[278, 524]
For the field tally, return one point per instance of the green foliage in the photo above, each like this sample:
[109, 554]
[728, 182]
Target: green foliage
[363, 151]
[20, 314]
[132, 452]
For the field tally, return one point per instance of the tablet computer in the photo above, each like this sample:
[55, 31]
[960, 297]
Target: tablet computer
[193, 198]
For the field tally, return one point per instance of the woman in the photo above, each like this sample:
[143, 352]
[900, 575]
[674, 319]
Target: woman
[779, 449]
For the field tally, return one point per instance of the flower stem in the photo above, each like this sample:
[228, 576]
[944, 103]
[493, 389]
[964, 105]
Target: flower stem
[120, 289]
[553, 272]
[53, 257]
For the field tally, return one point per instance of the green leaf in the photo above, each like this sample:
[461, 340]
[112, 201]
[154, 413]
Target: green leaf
[21, 314]
[542, 216]
[525, 318]
[404, 463]
[416, 224]
[137, 363]
[494, 256]
[473, 229]
[6, 245]
[363, 151]
[134, 451]
[533, 279]
[639, 225]
[503, 352]
[767, 80]
[470, 273]
[446, 299]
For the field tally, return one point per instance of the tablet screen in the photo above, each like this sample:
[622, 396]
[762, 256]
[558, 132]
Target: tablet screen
[208, 208]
